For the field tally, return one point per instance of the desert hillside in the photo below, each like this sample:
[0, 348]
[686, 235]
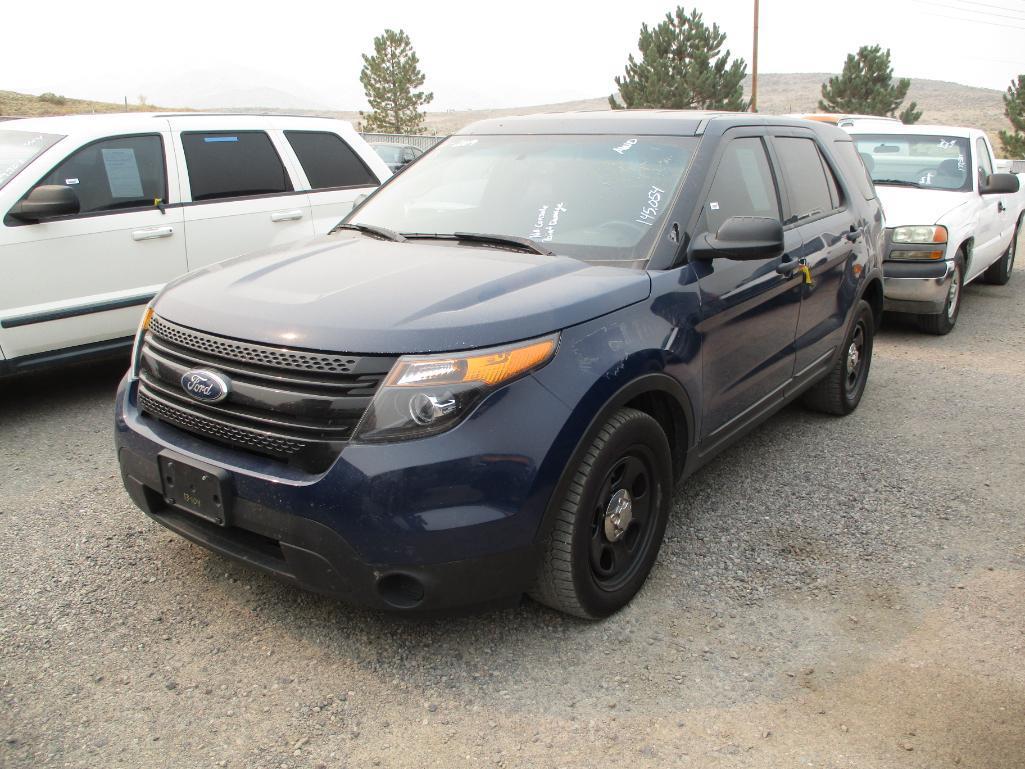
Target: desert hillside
[941, 102]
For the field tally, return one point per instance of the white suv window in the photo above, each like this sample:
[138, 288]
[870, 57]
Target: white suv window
[112, 174]
[328, 161]
[233, 164]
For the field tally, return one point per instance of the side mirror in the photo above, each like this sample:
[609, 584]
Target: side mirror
[46, 202]
[996, 184]
[742, 238]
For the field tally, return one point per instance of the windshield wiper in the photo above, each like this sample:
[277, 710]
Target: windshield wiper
[482, 237]
[373, 229]
[898, 182]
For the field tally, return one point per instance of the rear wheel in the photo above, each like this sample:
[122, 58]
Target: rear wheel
[944, 322]
[610, 522]
[840, 392]
[1000, 271]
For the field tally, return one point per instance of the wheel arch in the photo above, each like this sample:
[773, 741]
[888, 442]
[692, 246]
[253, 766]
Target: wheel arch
[655, 393]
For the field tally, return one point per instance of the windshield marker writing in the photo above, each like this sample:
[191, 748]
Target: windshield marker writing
[624, 146]
[650, 211]
[559, 209]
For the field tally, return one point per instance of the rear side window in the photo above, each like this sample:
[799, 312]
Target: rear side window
[228, 164]
[857, 167]
[328, 161]
[805, 174]
[743, 185]
[115, 173]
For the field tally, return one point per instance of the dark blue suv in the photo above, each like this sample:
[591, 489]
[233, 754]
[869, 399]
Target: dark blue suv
[487, 380]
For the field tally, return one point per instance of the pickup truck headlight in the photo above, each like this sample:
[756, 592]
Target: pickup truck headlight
[137, 346]
[427, 394]
[918, 236]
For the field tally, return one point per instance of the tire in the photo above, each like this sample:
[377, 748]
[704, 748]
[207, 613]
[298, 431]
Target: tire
[944, 322]
[1000, 271]
[840, 391]
[594, 562]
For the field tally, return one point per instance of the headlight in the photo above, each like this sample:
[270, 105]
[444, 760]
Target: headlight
[920, 235]
[917, 240]
[428, 394]
[137, 347]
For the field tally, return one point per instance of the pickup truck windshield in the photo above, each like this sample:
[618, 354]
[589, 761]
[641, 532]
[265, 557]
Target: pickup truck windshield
[927, 162]
[597, 198]
[19, 148]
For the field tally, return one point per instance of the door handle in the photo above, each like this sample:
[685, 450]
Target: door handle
[854, 234]
[788, 266]
[286, 216]
[1001, 207]
[153, 233]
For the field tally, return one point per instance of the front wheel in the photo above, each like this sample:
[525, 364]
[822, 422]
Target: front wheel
[840, 392]
[610, 521]
[944, 322]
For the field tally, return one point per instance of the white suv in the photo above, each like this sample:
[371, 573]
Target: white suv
[98, 212]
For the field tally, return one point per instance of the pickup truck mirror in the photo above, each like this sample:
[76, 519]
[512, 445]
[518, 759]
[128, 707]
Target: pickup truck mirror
[996, 184]
[46, 202]
[743, 238]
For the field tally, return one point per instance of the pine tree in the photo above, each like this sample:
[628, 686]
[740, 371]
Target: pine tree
[683, 66]
[866, 87]
[390, 78]
[1014, 108]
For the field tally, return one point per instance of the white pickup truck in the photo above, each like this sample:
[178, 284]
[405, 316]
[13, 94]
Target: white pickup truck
[950, 216]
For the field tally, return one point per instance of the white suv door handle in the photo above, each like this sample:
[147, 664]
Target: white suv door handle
[153, 232]
[286, 216]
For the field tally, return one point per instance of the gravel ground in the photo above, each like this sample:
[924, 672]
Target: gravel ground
[831, 593]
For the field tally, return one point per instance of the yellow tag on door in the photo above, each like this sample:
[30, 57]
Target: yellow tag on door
[807, 275]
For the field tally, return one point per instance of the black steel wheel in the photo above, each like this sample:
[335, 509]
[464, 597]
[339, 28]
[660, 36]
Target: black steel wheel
[840, 391]
[609, 523]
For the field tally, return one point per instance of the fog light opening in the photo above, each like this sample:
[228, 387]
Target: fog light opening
[401, 591]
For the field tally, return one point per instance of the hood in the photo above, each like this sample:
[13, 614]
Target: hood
[347, 292]
[907, 206]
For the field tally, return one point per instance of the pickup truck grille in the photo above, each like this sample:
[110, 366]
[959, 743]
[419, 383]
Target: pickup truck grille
[297, 406]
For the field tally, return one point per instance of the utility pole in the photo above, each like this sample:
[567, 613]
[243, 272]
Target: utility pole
[754, 66]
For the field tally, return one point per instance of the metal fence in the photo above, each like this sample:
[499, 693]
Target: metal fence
[420, 142]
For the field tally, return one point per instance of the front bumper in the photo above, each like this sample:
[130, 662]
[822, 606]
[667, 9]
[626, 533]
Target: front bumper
[422, 525]
[919, 288]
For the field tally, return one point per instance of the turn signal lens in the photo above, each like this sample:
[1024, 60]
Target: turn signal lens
[147, 316]
[925, 234]
[490, 368]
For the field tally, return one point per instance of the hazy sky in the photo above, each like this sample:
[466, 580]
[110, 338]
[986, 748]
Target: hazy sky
[475, 54]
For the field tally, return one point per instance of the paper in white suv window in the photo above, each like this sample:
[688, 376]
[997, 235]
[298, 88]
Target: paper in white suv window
[122, 173]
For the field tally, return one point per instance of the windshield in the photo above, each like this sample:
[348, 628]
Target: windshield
[929, 162]
[19, 148]
[389, 153]
[597, 198]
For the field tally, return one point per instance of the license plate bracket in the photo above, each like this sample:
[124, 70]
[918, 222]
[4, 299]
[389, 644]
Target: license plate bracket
[199, 488]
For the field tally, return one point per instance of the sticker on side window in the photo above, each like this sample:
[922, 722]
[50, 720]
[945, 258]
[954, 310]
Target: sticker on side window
[122, 172]
[651, 211]
[218, 139]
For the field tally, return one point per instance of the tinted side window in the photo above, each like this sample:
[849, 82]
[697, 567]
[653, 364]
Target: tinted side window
[805, 177]
[228, 164]
[743, 185]
[857, 167]
[328, 161]
[121, 172]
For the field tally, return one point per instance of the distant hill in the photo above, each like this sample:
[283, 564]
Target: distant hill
[940, 102]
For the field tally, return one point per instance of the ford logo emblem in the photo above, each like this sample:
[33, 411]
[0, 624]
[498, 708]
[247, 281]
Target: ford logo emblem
[205, 385]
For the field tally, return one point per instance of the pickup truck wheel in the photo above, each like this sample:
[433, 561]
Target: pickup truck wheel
[840, 392]
[1000, 271]
[944, 322]
[610, 522]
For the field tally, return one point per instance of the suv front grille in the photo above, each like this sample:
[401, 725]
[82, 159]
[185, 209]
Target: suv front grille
[298, 406]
